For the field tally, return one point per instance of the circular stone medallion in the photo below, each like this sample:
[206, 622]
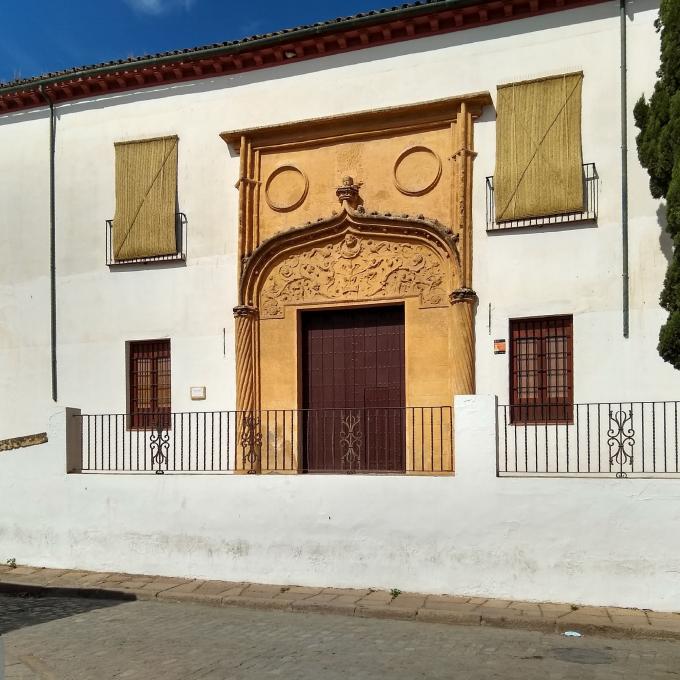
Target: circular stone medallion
[417, 170]
[286, 188]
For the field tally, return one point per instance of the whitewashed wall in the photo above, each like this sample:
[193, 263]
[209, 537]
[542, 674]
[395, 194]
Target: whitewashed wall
[593, 541]
[563, 270]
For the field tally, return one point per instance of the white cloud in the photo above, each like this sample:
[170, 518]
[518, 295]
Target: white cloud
[157, 7]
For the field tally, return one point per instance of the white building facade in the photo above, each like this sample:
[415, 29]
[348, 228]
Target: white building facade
[527, 507]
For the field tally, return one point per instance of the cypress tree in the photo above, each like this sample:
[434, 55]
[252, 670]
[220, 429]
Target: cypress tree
[659, 151]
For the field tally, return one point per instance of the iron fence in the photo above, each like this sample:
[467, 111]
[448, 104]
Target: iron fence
[591, 182]
[179, 256]
[417, 440]
[618, 439]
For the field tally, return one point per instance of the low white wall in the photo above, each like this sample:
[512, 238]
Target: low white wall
[590, 541]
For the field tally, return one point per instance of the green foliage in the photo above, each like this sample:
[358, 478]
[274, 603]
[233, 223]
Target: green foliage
[669, 340]
[659, 151]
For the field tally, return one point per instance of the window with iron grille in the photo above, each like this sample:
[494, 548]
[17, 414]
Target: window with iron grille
[149, 381]
[541, 370]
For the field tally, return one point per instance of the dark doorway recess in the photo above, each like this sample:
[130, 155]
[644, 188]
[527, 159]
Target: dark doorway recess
[353, 392]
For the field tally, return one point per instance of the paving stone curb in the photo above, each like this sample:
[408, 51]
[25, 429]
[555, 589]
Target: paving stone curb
[472, 611]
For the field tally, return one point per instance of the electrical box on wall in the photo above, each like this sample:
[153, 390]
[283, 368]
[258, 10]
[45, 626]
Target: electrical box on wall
[197, 393]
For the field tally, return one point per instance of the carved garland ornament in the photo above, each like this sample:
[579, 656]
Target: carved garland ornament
[355, 268]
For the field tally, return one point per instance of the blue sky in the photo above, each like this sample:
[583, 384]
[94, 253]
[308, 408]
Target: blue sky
[38, 36]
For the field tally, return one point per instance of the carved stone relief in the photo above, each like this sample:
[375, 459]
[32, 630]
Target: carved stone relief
[355, 267]
[417, 170]
[286, 188]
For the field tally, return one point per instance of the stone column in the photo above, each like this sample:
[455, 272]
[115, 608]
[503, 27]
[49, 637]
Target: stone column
[248, 435]
[463, 301]
[464, 297]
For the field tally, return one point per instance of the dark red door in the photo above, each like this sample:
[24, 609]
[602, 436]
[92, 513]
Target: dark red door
[353, 390]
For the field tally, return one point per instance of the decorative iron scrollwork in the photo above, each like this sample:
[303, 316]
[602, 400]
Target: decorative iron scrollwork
[159, 443]
[251, 441]
[350, 440]
[621, 439]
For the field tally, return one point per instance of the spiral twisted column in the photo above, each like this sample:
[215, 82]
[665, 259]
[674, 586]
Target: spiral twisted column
[248, 435]
[463, 301]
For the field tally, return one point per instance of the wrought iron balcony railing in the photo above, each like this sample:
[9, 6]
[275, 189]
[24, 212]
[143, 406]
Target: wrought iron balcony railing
[591, 186]
[179, 256]
[616, 439]
[416, 439]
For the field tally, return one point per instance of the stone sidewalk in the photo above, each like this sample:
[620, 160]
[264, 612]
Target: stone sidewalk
[471, 611]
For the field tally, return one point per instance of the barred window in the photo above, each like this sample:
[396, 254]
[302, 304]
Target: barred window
[541, 370]
[149, 380]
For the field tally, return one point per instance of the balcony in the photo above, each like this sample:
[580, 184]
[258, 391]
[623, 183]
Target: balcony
[591, 186]
[179, 256]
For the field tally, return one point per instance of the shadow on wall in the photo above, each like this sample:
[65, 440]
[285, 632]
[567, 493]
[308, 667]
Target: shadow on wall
[665, 240]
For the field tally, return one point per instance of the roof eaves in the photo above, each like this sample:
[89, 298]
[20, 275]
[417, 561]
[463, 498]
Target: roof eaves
[228, 47]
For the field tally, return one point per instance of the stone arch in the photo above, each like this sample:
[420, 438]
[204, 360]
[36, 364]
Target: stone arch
[350, 257]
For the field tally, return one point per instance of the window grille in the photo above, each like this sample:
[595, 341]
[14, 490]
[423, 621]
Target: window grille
[149, 380]
[541, 369]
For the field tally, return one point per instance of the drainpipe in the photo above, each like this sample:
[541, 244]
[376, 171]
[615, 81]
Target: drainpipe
[53, 277]
[624, 170]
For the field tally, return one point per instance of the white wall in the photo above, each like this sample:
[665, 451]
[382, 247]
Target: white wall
[589, 541]
[524, 273]
[583, 540]
[574, 269]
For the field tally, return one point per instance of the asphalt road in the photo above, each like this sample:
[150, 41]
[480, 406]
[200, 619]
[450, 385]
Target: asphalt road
[63, 638]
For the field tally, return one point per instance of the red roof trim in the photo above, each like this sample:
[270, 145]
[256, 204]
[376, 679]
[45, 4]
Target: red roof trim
[134, 77]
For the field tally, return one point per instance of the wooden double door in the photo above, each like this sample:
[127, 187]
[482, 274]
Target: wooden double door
[353, 390]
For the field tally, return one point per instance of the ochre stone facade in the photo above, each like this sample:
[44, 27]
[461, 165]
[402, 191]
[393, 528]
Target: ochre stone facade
[361, 210]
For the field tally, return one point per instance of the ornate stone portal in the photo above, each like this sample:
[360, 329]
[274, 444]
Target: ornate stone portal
[354, 267]
[402, 233]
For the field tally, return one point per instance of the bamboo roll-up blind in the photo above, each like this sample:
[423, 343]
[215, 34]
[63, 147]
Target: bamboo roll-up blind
[146, 190]
[539, 164]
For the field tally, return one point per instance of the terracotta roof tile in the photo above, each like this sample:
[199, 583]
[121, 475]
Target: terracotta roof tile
[329, 24]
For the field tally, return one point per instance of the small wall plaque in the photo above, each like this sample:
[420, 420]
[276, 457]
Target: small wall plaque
[499, 346]
[197, 393]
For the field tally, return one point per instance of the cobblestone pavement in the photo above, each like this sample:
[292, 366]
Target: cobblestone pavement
[62, 638]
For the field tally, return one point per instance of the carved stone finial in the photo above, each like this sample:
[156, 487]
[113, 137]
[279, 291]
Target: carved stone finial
[244, 310]
[348, 191]
[463, 295]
